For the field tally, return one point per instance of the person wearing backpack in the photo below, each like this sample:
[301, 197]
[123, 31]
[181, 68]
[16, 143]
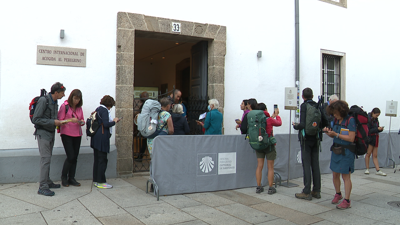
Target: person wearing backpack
[373, 140]
[310, 126]
[45, 120]
[71, 135]
[100, 142]
[342, 158]
[270, 154]
[164, 123]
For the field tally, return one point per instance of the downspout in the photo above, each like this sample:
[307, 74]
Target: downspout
[297, 59]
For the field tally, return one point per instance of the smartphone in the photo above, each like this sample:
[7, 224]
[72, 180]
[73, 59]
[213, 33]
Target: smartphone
[236, 119]
[81, 122]
[383, 127]
[275, 106]
[120, 118]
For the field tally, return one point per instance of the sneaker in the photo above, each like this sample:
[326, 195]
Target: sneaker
[64, 182]
[104, 185]
[45, 192]
[316, 194]
[259, 189]
[271, 190]
[380, 173]
[344, 205]
[53, 185]
[366, 171]
[73, 182]
[304, 196]
[336, 199]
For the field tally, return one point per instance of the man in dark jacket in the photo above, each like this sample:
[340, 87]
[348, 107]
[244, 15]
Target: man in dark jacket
[45, 120]
[309, 150]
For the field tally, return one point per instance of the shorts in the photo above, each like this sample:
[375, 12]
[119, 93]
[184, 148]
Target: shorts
[269, 153]
[373, 140]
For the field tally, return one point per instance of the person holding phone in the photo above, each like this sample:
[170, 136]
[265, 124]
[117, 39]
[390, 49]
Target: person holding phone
[245, 107]
[71, 135]
[100, 142]
[373, 141]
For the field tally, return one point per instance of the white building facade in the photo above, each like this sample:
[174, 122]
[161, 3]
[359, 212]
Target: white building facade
[348, 47]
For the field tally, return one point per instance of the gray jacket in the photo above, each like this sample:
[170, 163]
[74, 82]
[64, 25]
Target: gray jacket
[45, 113]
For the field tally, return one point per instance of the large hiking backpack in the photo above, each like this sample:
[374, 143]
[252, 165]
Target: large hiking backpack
[256, 130]
[147, 120]
[313, 120]
[361, 140]
[32, 105]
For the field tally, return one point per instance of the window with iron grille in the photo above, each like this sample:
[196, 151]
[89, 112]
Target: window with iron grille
[330, 75]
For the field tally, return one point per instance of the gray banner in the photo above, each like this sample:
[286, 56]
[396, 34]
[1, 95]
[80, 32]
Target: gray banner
[186, 164]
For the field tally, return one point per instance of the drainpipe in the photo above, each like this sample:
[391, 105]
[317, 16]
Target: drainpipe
[297, 59]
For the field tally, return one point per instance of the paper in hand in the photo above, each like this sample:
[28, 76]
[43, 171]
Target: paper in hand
[202, 116]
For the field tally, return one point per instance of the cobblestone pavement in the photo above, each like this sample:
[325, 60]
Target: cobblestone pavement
[128, 203]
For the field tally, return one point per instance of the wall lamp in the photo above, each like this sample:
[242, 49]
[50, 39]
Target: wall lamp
[62, 34]
[259, 54]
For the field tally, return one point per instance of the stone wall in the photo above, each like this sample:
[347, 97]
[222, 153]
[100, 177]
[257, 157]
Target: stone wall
[127, 24]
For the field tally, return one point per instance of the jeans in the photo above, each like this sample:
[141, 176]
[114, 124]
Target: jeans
[311, 170]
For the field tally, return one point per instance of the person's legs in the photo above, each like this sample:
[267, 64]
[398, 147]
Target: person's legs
[260, 166]
[95, 165]
[68, 147]
[102, 167]
[270, 165]
[345, 204]
[45, 150]
[76, 141]
[316, 173]
[336, 184]
[367, 157]
[375, 157]
[306, 162]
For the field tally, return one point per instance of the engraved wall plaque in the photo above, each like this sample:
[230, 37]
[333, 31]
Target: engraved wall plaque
[60, 56]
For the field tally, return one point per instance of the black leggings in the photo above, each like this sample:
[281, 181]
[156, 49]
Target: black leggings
[71, 146]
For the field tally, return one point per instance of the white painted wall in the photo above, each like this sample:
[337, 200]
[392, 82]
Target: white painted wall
[365, 31]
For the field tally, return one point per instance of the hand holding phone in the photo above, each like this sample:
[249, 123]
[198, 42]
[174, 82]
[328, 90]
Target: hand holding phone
[120, 118]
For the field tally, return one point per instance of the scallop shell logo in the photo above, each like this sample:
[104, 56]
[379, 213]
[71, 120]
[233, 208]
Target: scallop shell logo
[206, 164]
[299, 157]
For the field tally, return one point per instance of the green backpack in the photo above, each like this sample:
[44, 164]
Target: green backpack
[256, 124]
[313, 120]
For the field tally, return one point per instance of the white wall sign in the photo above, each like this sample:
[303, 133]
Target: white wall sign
[391, 108]
[176, 27]
[60, 56]
[226, 163]
[290, 98]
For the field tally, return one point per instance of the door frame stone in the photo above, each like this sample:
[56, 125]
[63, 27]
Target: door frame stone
[127, 25]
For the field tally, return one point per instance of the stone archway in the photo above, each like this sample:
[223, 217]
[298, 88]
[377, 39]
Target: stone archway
[127, 24]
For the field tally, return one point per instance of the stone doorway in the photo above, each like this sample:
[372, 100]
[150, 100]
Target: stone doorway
[128, 24]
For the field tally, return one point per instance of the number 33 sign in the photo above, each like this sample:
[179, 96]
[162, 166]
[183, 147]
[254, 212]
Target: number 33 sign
[176, 27]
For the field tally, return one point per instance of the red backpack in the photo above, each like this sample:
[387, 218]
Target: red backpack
[32, 105]
[361, 140]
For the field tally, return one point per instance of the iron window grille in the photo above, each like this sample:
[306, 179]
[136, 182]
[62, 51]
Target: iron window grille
[330, 76]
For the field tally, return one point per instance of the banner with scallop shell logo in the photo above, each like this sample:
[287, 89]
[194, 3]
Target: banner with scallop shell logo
[207, 164]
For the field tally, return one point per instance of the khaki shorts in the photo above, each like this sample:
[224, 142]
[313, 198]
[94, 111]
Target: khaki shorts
[269, 153]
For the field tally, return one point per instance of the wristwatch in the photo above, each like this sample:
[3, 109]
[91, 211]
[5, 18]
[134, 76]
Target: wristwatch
[337, 136]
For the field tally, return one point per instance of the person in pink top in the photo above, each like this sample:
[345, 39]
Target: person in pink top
[272, 121]
[71, 134]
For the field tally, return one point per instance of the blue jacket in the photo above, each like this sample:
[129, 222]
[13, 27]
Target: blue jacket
[213, 122]
[101, 140]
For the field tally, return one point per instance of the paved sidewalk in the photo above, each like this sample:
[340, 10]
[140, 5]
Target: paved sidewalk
[127, 203]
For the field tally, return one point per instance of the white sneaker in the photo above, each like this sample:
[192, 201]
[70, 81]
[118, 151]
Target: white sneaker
[366, 171]
[380, 173]
[104, 185]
